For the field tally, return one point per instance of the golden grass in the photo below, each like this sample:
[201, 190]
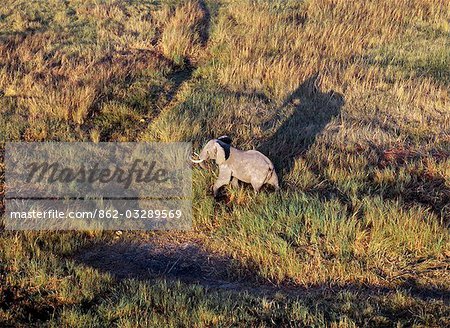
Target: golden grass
[181, 39]
[349, 98]
[276, 50]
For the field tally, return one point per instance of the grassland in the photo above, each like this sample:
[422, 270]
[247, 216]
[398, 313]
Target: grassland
[349, 98]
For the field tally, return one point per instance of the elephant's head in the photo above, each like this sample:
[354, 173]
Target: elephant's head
[216, 149]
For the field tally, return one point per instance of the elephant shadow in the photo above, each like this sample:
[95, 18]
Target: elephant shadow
[312, 111]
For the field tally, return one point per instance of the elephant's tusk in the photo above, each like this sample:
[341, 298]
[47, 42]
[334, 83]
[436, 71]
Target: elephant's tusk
[196, 160]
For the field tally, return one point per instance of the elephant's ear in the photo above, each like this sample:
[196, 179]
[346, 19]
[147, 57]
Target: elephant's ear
[225, 139]
[222, 152]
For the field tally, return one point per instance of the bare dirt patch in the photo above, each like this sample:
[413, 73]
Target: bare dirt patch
[169, 257]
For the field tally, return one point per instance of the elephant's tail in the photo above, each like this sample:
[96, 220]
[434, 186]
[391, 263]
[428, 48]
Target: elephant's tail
[272, 178]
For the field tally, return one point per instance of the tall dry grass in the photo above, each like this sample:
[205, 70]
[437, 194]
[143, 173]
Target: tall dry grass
[362, 148]
[276, 50]
[63, 71]
[181, 39]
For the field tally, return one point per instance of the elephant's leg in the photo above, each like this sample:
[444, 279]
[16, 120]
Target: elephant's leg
[223, 179]
[256, 185]
[235, 182]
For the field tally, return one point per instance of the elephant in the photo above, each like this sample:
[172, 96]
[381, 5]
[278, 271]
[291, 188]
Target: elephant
[235, 165]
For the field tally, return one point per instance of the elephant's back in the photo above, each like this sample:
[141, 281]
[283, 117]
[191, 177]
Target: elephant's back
[262, 157]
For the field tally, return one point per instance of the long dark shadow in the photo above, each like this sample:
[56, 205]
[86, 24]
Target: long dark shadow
[190, 264]
[313, 110]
